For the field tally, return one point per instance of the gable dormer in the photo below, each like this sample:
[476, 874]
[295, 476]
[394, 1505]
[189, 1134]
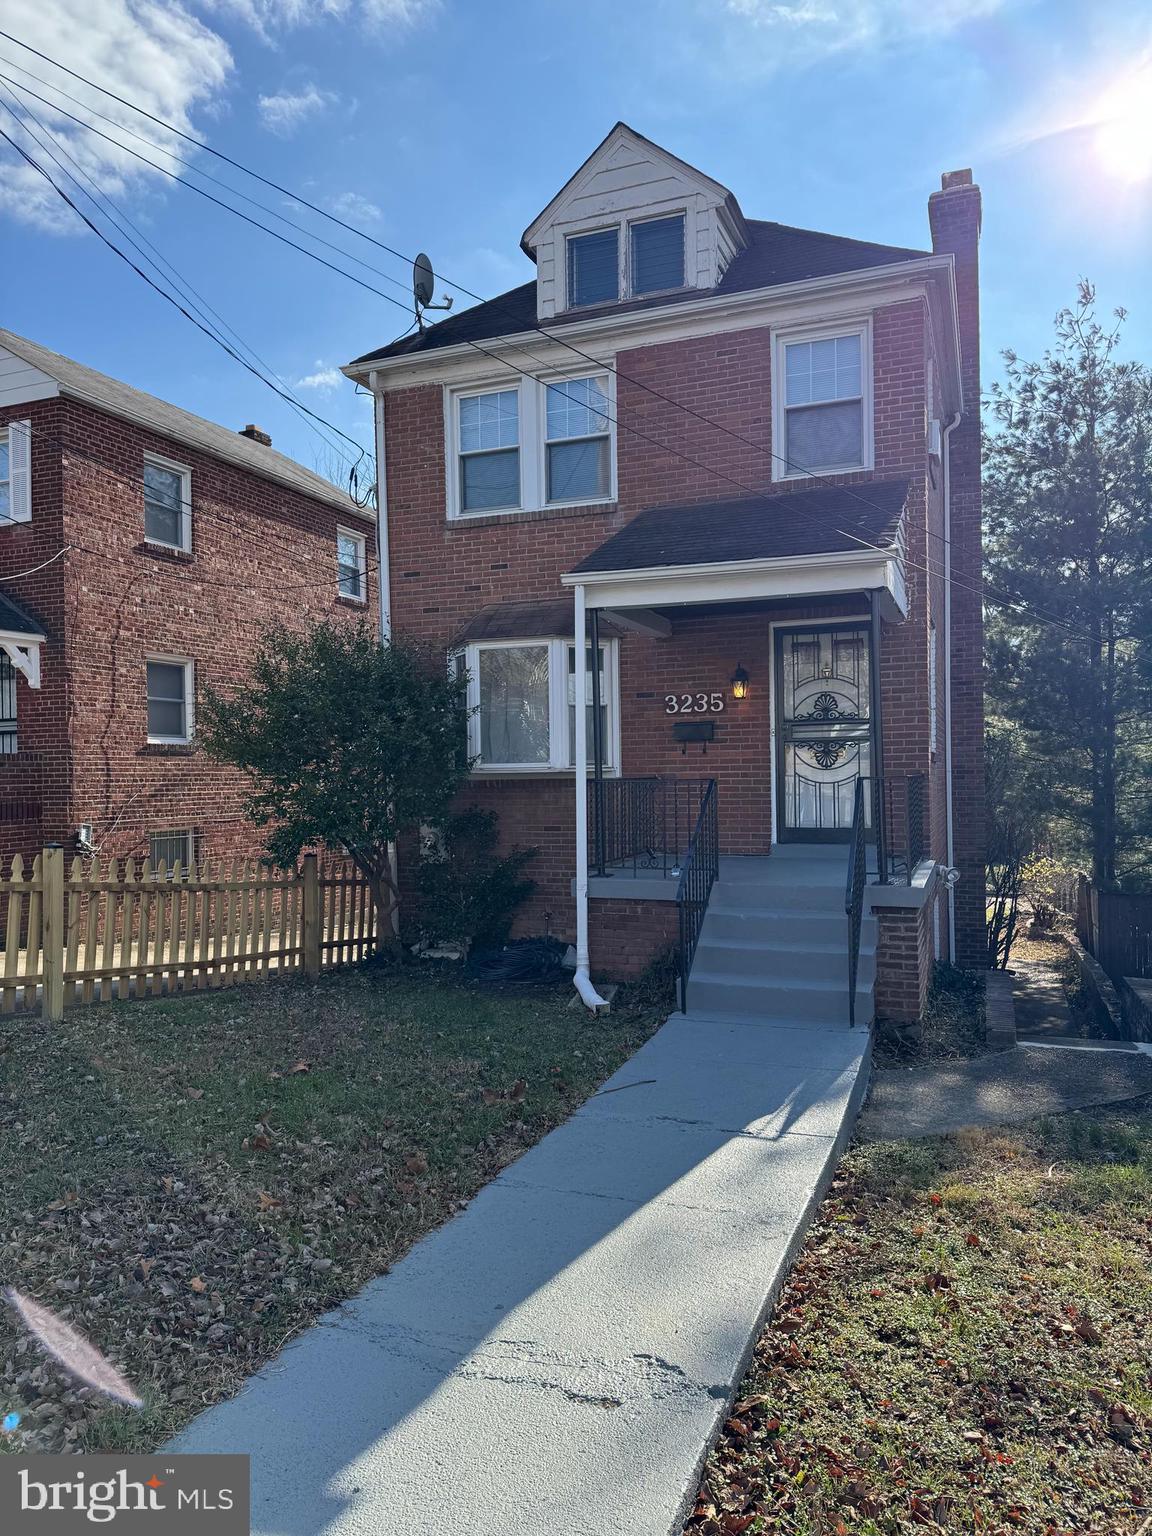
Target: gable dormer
[633, 223]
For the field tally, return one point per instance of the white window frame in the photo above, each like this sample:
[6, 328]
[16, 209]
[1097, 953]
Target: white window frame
[189, 667]
[18, 436]
[185, 543]
[360, 540]
[781, 469]
[559, 737]
[533, 415]
[562, 233]
[191, 839]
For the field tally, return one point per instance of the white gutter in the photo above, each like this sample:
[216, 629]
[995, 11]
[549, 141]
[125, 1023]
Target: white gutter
[582, 981]
[384, 564]
[951, 854]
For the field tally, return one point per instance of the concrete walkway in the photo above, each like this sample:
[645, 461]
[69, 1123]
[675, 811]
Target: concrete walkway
[1002, 1089]
[1042, 1011]
[558, 1357]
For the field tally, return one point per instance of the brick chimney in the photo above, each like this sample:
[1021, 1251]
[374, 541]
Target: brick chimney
[257, 434]
[954, 217]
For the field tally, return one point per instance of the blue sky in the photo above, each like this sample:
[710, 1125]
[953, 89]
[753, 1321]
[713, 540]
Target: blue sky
[447, 124]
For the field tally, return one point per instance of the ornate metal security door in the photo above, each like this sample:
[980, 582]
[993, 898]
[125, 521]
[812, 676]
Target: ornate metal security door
[823, 730]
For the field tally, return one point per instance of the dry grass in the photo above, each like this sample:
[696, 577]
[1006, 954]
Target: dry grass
[962, 1347]
[191, 1181]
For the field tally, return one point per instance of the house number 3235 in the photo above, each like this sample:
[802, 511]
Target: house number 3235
[693, 703]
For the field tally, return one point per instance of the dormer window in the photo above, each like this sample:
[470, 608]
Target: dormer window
[594, 268]
[658, 255]
[603, 267]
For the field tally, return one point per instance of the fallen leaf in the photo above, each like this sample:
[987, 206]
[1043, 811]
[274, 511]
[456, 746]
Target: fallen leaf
[416, 1163]
[1088, 1330]
[258, 1143]
[301, 1066]
[517, 1091]
[268, 1202]
[194, 1093]
[197, 1284]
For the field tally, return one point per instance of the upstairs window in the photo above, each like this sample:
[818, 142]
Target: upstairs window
[489, 428]
[8, 739]
[169, 700]
[15, 473]
[351, 565]
[167, 503]
[658, 255]
[577, 440]
[594, 268]
[822, 423]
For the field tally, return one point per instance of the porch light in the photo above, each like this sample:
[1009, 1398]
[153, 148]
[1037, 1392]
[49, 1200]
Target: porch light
[740, 683]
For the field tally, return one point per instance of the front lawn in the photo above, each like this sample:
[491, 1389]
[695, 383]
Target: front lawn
[964, 1346]
[191, 1181]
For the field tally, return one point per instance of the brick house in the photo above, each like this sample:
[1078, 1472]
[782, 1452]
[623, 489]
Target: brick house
[743, 460]
[182, 541]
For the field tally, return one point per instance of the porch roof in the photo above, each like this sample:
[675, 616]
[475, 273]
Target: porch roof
[828, 540]
[522, 621]
[816, 522]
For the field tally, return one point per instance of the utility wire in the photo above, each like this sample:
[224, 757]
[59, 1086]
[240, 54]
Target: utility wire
[164, 294]
[1002, 601]
[136, 238]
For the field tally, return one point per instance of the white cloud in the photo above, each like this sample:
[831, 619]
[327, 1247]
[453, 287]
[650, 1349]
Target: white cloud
[284, 112]
[835, 26]
[271, 16]
[151, 52]
[354, 208]
[324, 378]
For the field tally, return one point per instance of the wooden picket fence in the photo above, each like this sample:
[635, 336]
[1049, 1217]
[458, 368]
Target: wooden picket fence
[123, 928]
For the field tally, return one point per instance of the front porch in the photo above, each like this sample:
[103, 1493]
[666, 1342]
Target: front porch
[769, 675]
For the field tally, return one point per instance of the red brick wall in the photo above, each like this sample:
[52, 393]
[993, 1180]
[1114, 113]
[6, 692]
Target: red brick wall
[262, 553]
[904, 963]
[443, 572]
[624, 936]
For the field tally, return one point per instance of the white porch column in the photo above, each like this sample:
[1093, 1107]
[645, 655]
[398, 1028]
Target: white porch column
[581, 980]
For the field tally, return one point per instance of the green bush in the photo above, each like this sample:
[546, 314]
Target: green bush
[466, 892]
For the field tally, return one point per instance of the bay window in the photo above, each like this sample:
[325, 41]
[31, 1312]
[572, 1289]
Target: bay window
[823, 402]
[522, 704]
[540, 443]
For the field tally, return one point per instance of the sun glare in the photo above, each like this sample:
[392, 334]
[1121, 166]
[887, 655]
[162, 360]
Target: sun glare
[1124, 128]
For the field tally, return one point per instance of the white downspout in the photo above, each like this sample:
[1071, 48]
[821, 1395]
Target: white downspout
[383, 566]
[951, 854]
[582, 981]
[383, 558]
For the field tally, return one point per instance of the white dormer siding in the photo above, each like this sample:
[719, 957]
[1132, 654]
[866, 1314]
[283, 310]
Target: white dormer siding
[626, 180]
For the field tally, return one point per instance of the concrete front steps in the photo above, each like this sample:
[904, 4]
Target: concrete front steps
[774, 945]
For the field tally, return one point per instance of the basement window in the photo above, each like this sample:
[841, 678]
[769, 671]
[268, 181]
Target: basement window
[172, 850]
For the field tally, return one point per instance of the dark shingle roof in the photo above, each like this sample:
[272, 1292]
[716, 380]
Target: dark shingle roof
[15, 621]
[522, 621]
[815, 522]
[776, 254]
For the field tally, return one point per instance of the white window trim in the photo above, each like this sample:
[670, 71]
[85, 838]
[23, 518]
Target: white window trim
[361, 542]
[18, 435]
[185, 473]
[533, 417]
[189, 699]
[560, 747]
[622, 224]
[781, 470]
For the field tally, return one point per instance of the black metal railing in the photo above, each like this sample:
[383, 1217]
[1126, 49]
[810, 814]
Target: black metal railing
[854, 888]
[698, 873]
[903, 839]
[642, 826]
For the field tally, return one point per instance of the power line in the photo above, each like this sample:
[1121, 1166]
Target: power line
[983, 593]
[119, 219]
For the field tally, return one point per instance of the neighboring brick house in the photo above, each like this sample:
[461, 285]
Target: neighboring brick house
[150, 550]
[749, 453]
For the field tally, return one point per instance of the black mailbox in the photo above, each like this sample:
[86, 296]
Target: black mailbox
[694, 730]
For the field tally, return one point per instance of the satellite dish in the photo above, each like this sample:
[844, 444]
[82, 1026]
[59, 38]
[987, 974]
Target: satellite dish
[423, 281]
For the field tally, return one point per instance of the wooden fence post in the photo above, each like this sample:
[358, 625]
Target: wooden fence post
[52, 932]
[310, 893]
